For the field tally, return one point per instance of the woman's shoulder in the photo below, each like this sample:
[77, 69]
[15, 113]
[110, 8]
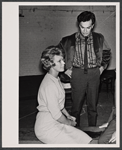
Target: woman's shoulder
[47, 83]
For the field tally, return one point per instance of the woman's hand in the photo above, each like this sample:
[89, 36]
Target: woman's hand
[113, 138]
[73, 123]
[72, 120]
[69, 117]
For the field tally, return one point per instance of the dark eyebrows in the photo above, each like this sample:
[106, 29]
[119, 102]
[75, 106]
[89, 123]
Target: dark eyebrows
[86, 27]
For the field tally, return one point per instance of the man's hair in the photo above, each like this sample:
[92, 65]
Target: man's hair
[48, 55]
[86, 16]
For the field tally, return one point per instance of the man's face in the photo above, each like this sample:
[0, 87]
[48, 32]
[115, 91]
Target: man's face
[86, 27]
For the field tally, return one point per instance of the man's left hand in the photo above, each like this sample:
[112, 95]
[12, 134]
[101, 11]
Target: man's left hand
[101, 70]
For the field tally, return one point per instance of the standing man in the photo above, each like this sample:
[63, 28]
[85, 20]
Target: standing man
[86, 56]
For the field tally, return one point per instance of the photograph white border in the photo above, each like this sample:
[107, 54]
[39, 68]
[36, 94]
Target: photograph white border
[10, 73]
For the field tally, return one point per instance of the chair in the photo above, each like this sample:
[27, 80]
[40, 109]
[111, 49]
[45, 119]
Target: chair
[108, 78]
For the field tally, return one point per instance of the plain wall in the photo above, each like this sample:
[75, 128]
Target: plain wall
[42, 26]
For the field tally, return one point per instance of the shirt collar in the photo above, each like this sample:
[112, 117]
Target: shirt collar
[80, 36]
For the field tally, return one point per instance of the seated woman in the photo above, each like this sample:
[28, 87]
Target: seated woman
[54, 125]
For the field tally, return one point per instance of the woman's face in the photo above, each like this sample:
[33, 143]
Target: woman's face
[59, 63]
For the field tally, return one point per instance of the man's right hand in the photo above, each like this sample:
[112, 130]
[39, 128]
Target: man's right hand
[68, 72]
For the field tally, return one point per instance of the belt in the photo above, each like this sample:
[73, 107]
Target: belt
[83, 68]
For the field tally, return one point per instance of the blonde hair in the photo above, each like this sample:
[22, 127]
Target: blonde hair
[48, 55]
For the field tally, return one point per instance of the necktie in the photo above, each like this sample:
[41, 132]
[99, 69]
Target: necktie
[85, 57]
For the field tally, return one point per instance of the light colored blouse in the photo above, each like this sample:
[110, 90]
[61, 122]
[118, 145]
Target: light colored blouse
[51, 96]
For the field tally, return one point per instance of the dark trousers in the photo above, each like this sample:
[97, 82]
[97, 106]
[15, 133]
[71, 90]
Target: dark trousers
[85, 84]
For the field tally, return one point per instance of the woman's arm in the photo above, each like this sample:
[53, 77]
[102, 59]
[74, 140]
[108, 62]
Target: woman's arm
[64, 111]
[51, 100]
[66, 121]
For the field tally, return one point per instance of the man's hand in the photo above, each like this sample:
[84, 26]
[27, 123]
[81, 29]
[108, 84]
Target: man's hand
[101, 70]
[68, 72]
[104, 125]
[113, 138]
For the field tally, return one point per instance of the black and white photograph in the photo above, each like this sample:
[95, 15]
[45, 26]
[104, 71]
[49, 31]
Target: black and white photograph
[60, 74]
